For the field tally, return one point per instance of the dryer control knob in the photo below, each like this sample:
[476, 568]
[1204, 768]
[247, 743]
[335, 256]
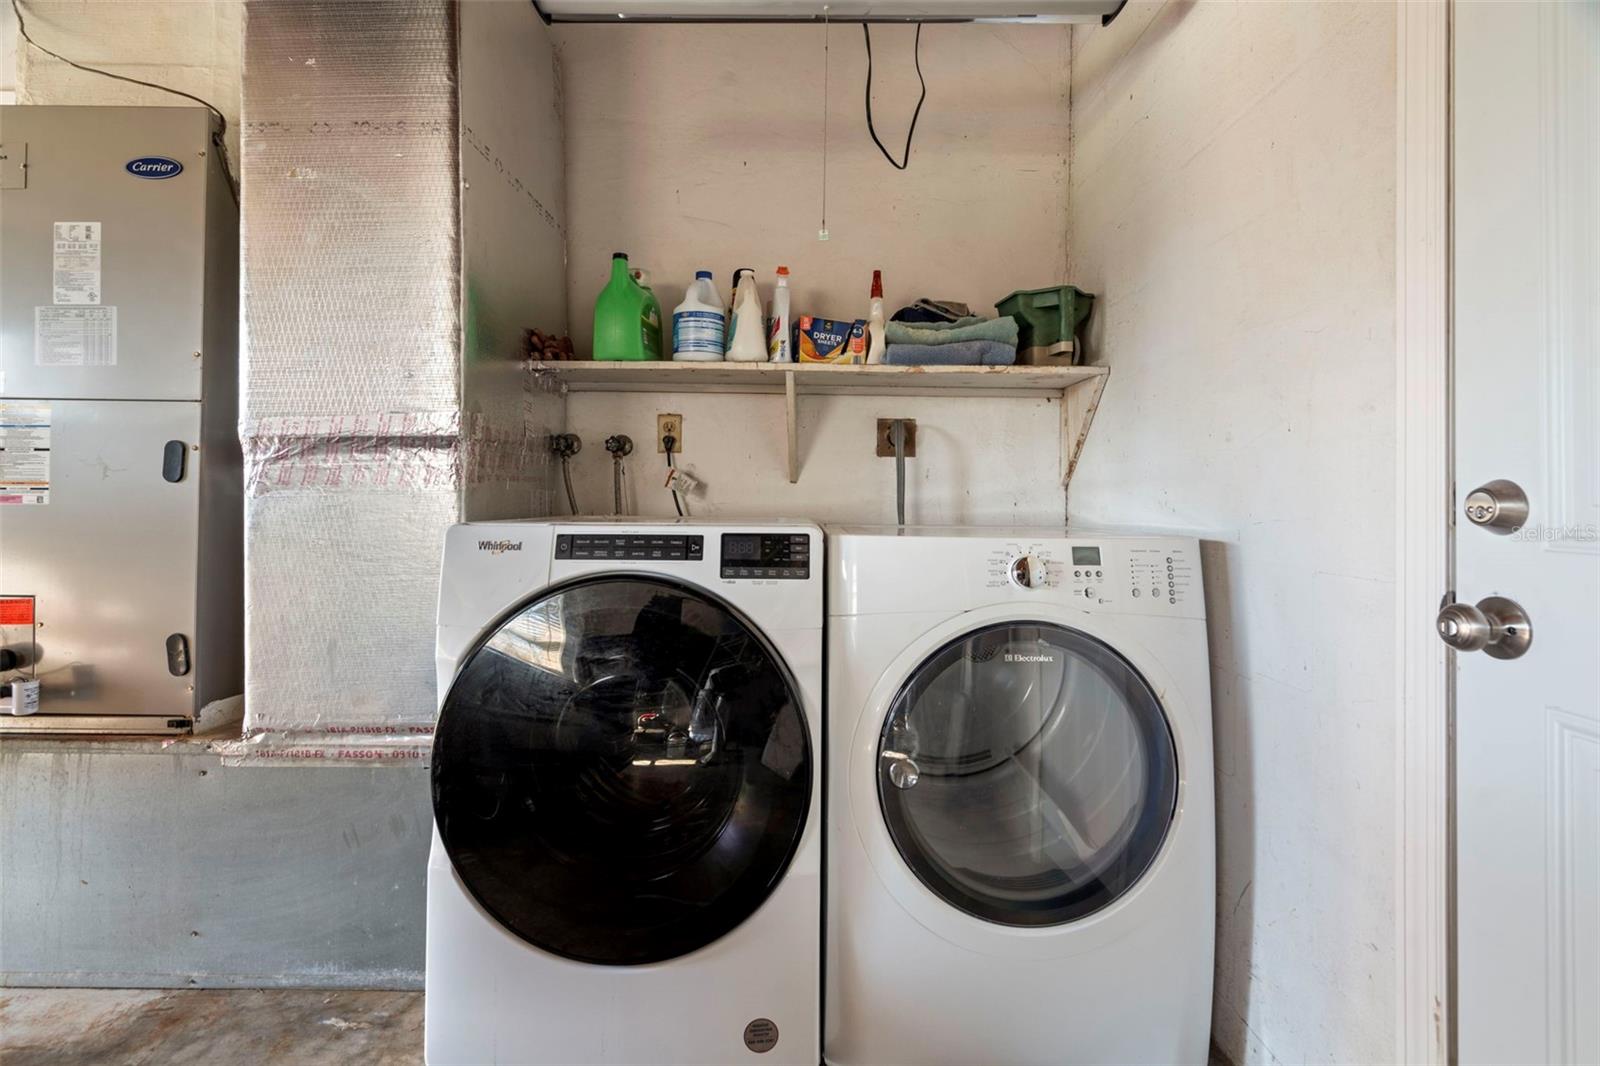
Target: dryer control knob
[1028, 571]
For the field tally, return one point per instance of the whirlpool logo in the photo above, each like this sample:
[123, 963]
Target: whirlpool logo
[499, 547]
[1013, 657]
[154, 167]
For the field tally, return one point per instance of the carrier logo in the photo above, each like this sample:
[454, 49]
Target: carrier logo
[154, 167]
[1013, 657]
[499, 547]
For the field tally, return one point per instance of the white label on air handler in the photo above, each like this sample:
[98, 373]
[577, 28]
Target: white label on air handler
[24, 453]
[76, 263]
[75, 336]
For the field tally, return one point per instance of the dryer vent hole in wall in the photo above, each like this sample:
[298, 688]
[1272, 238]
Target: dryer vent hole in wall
[885, 447]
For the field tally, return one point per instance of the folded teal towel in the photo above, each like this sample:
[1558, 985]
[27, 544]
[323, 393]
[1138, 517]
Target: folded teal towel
[1001, 330]
[960, 353]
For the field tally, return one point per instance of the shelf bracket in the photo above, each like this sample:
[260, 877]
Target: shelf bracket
[1079, 402]
[792, 418]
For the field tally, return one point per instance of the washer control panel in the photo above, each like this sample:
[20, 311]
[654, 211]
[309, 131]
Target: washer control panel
[638, 546]
[752, 556]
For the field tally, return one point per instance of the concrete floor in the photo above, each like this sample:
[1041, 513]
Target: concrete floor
[145, 1027]
[135, 1027]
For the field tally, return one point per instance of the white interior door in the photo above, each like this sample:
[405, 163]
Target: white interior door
[1527, 409]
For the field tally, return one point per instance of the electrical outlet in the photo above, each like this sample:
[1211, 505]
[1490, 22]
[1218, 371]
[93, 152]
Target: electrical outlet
[669, 425]
[886, 437]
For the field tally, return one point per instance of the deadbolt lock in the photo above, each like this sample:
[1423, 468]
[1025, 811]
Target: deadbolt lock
[1500, 506]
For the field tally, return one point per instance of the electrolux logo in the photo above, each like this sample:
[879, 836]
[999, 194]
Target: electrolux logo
[154, 167]
[1012, 657]
[499, 547]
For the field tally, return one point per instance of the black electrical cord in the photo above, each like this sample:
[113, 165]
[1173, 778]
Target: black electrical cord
[677, 504]
[905, 161]
[669, 440]
[218, 139]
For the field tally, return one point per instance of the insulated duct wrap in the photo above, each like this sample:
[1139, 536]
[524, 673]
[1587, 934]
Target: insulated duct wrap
[353, 451]
[367, 427]
[351, 216]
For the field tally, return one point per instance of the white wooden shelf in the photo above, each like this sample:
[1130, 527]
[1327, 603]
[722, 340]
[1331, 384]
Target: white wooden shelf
[1078, 388]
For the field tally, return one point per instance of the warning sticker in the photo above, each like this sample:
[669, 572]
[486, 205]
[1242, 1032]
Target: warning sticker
[24, 453]
[75, 336]
[77, 263]
[16, 610]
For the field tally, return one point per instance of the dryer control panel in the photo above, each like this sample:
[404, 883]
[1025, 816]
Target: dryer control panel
[1130, 575]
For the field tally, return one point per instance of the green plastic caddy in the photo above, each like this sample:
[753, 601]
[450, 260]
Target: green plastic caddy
[1048, 321]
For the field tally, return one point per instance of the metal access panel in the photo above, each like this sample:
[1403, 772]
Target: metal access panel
[121, 510]
[104, 251]
[109, 560]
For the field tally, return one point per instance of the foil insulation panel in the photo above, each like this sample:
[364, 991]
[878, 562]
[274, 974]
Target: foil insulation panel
[351, 241]
[395, 256]
[351, 255]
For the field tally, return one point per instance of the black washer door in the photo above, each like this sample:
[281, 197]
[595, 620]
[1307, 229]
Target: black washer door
[1027, 774]
[621, 771]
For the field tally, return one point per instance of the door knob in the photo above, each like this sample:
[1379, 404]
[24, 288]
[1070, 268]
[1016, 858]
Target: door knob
[1501, 506]
[1495, 625]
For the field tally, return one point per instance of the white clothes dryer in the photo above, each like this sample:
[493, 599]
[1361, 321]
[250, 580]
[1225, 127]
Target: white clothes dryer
[627, 851]
[1021, 863]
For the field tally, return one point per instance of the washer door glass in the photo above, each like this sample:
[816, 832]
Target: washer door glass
[1027, 774]
[621, 771]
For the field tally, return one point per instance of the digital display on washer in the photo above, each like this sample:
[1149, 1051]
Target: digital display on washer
[1085, 556]
[766, 555]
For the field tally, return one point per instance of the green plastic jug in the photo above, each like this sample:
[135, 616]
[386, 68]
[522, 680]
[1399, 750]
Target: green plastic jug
[627, 317]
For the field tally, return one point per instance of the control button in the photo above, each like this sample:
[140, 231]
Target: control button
[1155, 591]
[1077, 573]
[1089, 592]
[1099, 573]
[1135, 593]
[1172, 600]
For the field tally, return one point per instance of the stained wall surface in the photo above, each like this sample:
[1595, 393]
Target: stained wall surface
[701, 147]
[1233, 201]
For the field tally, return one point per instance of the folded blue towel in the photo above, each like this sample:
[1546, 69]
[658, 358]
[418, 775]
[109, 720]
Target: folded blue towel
[959, 353]
[965, 329]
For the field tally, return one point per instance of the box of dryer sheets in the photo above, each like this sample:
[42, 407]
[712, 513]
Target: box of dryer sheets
[831, 340]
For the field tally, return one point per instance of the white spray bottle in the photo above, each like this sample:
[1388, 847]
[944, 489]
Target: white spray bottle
[779, 344]
[748, 342]
[875, 328]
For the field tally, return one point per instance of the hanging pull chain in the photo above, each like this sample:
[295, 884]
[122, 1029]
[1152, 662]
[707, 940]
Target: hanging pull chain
[821, 232]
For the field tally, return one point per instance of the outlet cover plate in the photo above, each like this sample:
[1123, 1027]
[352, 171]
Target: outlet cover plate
[668, 423]
[886, 437]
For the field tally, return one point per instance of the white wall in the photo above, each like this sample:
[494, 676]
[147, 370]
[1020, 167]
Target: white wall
[1232, 202]
[192, 45]
[700, 147]
[979, 461]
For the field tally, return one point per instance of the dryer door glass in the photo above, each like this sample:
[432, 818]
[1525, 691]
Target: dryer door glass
[1027, 774]
[622, 771]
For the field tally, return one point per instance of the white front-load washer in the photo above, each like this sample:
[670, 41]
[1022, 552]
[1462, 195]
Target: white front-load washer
[1021, 841]
[627, 849]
